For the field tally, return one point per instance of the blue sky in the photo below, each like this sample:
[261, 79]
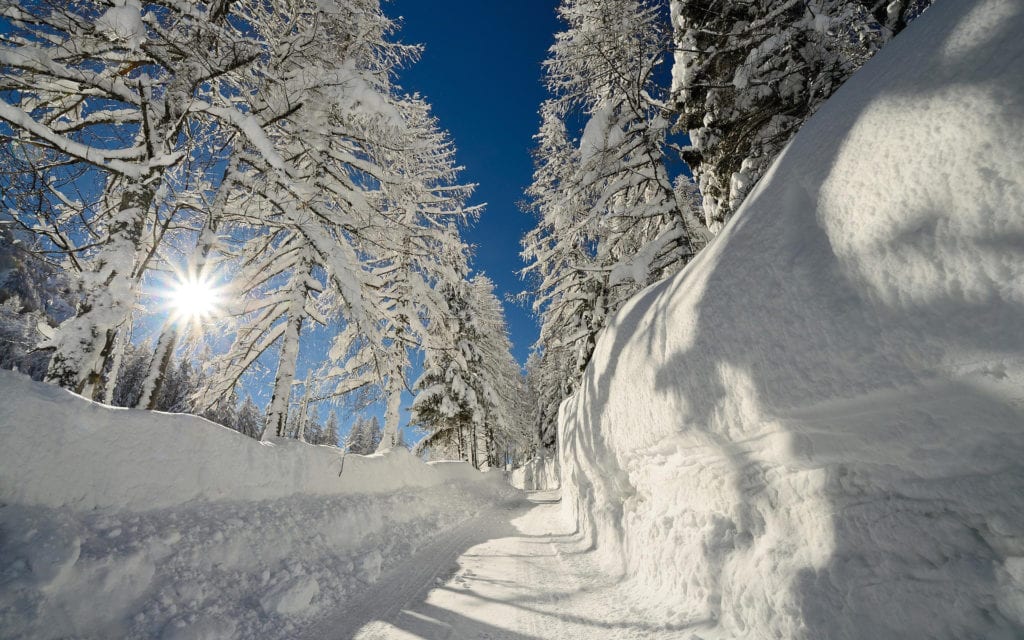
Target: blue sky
[481, 71]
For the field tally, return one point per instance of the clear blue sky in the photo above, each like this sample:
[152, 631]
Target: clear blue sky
[481, 71]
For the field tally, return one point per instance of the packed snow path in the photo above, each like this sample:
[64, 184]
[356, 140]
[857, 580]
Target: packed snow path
[511, 573]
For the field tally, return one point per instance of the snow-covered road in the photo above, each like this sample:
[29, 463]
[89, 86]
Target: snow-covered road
[511, 573]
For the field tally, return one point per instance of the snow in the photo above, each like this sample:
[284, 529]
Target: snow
[123, 23]
[511, 573]
[538, 474]
[814, 431]
[124, 523]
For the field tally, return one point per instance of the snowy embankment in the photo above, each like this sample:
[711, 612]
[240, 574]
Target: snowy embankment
[817, 429]
[538, 474]
[119, 523]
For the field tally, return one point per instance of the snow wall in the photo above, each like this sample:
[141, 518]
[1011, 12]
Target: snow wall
[816, 430]
[539, 474]
[135, 524]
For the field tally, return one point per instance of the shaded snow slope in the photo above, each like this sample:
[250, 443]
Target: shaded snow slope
[538, 474]
[817, 429]
[121, 523]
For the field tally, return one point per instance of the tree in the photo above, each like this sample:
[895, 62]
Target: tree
[250, 418]
[467, 396]
[609, 219]
[330, 432]
[129, 95]
[364, 436]
[34, 298]
[748, 74]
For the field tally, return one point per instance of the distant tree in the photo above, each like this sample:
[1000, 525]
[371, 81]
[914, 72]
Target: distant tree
[364, 436]
[250, 418]
[313, 432]
[467, 397]
[330, 431]
[224, 412]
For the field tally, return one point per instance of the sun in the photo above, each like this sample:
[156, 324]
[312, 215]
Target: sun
[192, 298]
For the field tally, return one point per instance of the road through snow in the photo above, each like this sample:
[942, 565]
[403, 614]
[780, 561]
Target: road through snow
[513, 573]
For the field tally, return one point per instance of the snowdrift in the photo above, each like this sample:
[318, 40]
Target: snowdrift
[538, 474]
[121, 523]
[816, 430]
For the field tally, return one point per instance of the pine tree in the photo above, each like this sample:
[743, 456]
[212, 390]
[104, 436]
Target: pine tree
[467, 397]
[364, 436]
[330, 432]
[250, 419]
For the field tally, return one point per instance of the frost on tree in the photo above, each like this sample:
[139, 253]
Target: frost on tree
[748, 74]
[107, 104]
[610, 219]
[142, 127]
[364, 436]
[469, 397]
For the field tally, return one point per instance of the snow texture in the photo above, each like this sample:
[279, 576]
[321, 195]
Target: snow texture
[815, 430]
[123, 23]
[124, 523]
[538, 474]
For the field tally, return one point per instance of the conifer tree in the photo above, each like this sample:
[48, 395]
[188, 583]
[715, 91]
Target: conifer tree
[609, 219]
[250, 418]
[330, 435]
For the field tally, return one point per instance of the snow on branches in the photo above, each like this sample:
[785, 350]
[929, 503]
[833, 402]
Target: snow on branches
[262, 144]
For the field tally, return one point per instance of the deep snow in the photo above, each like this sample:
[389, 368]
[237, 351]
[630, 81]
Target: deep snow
[537, 474]
[816, 430]
[122, 523]
[520, 573]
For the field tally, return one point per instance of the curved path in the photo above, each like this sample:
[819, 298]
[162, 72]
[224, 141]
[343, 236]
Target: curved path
[511, 573]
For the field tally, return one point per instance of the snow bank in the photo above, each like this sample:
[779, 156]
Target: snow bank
[539, 474]
[817, 429]
[85, 455]
[122, 523]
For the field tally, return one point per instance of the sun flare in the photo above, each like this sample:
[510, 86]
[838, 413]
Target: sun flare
[192, 298]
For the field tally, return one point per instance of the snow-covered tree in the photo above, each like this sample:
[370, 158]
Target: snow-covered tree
[447, 405]
[748, 74]
[34, 298]
[364, 436]
[467, 396]
[609, 219]
[366, 203]
[130, 95]
[250, 418]
[418, 247]
[330, 430]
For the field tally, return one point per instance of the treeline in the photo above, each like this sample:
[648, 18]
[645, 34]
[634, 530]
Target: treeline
[615, 209]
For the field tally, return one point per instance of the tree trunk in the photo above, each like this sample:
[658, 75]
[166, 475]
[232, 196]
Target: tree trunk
[277, 410]
[85, 343]
[392, 415]
[473, 447]
[162, 358]
[300, 433]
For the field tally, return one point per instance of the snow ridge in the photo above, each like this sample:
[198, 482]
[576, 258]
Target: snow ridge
[814, 431]
[138, 524]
